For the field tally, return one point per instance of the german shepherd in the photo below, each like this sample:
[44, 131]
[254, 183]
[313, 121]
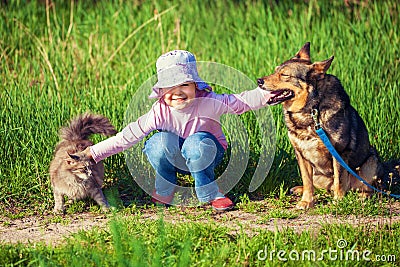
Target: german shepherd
[304, 87]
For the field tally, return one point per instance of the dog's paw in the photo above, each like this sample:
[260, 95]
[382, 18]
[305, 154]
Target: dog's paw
[297, 190]
[305, 205]
[364, 195]
[337, 196]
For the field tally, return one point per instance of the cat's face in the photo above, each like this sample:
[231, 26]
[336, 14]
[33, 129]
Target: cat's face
[80, 165]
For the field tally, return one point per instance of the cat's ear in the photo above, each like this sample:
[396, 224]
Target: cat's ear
[74, 156]
[72, 159]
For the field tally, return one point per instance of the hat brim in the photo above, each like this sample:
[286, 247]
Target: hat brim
[201, 85]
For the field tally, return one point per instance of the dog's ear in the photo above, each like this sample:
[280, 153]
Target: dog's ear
[304, 52]
[320, 68]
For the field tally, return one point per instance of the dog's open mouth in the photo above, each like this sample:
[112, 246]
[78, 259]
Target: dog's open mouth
[280, 96]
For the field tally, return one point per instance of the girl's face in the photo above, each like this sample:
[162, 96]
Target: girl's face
[179, 96]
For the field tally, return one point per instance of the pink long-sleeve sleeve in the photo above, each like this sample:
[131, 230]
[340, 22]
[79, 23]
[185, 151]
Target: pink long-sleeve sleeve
[244, 101]
[129, 136]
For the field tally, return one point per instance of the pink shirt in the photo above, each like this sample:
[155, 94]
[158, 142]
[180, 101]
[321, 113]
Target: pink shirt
[203, 114]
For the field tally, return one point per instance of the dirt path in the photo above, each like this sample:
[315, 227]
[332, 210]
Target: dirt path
[52, 229]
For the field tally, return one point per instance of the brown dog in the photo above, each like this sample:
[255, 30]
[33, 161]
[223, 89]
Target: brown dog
[304, 87]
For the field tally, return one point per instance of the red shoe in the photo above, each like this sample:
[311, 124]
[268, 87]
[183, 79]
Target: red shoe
[222, 204]
[164, 200]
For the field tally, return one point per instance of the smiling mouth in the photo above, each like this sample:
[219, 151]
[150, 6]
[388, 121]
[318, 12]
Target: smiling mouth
[280, 96]
[179, 99]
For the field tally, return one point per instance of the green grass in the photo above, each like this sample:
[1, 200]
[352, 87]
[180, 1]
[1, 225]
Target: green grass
[53, 69]
[130, 241]
[77, 56]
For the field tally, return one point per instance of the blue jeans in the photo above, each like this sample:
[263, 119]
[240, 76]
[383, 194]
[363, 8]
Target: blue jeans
[197, 155]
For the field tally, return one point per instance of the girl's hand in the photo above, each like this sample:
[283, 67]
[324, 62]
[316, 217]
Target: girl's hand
[82, 155]
[87, 153]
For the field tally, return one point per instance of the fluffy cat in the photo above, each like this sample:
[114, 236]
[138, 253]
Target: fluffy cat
[72, 174]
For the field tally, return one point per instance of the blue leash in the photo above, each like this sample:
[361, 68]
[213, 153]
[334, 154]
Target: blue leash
[324, 138]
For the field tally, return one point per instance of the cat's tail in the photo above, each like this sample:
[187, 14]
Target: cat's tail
[85, 125]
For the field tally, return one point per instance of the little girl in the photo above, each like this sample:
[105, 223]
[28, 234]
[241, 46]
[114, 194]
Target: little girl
[189, 137]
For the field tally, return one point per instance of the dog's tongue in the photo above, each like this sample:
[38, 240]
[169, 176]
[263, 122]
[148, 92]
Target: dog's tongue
[276, 92]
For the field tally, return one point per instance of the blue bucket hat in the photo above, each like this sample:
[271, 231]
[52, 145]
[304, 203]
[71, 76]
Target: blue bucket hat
[174, 68]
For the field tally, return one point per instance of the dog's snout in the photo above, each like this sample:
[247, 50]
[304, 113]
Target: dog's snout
[260, 81]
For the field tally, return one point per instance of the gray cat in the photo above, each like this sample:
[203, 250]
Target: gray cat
[72, 174]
